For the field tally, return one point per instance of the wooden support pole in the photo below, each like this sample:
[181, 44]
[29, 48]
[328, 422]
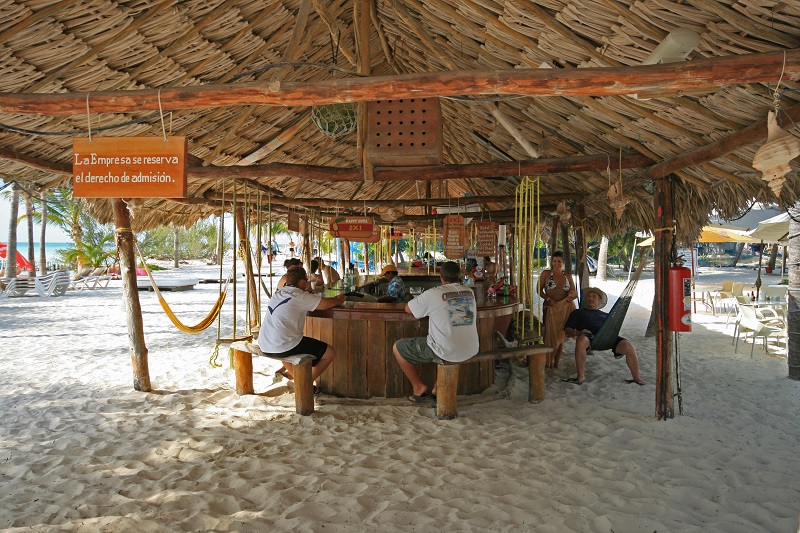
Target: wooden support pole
[581, 265]
[130, 291]
[665, 222]
[243, 368]
[566, 248]
[446, 386]
[793, 293]
[303, 388]
[554, 235]
[244, 246]
[536, 377]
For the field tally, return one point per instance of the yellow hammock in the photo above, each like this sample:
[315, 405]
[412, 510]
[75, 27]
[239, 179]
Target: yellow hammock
[200, 326]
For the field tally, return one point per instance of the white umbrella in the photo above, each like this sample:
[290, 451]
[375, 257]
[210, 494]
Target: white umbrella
[775, 229]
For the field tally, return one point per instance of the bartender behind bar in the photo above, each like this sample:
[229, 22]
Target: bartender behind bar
[395, 292]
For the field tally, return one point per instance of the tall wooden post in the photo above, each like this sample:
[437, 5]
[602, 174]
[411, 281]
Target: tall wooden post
[581, 268]
[566, 248]
[305, 253]
[665, 222]
[793, 310]
[127, 262]
[554, 236]
[244, 246]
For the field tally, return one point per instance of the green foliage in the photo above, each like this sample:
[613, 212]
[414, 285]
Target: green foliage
[95, 250]
[198, 242]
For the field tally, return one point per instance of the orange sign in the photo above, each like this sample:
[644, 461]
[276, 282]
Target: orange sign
[354, 228]
[376, 234]
[129, 167]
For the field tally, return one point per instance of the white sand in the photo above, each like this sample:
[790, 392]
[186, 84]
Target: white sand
[80, 450]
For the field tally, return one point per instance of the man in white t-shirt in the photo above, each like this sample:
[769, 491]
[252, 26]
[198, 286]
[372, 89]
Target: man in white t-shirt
[452, 329]
[281, 333]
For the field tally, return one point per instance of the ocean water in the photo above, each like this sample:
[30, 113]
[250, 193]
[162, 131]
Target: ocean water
[50, 249]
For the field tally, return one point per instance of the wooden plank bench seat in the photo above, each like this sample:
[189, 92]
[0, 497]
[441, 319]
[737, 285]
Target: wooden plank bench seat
[243, 353]
[447, 375]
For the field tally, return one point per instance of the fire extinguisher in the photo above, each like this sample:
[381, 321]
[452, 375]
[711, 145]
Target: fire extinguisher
[680, 299]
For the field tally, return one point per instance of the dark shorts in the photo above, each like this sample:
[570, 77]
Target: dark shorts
[415, 350]
[616, 343]
[307, 345]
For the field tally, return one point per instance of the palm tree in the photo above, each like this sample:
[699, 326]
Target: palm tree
[602, 260]
[27, 215]
[60, 208]
[11, 251]
[92, 254]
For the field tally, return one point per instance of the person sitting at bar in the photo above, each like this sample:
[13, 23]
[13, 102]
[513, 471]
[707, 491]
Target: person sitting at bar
[287, 264]
[330, 275]
[452, 329]
[584, 323]
[281, 333]
[395, 292]
[315, 278]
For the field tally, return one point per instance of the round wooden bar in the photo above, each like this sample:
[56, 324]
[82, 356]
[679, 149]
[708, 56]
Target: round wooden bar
[363, 335]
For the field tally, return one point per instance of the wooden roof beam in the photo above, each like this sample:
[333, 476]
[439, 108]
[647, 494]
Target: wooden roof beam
[372, 203]
[754, 133]
[700, 73]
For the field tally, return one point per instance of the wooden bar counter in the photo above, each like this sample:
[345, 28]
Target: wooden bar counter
[363, 335]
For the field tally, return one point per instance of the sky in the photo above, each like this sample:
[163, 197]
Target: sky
[54, 234]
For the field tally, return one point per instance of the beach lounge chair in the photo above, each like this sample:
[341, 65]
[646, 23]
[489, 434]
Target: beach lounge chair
[16, 287]
[96, 279]
[78, 278]
[53, 284]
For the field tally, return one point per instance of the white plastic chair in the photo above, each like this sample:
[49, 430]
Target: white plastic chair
[751, 321]
[725, 294]
[734, 312]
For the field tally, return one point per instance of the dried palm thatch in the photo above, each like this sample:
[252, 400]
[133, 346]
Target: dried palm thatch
[275, 151]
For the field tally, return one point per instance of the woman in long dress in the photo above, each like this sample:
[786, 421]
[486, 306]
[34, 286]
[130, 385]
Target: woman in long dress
[558, 290]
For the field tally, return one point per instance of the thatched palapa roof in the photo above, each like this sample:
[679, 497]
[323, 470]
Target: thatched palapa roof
[550, 88]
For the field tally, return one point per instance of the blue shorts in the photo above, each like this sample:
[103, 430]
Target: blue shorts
[307, 345]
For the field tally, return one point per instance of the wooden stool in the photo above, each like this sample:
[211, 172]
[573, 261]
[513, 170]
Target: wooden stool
[243, 353]
[447, 376]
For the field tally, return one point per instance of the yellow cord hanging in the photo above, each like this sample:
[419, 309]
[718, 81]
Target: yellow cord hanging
[200, 326]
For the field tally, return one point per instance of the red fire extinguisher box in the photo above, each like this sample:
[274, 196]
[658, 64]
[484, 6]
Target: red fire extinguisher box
[680, 299]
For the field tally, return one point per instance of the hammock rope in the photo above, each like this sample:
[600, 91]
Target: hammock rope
[200, 326]
[604, 339]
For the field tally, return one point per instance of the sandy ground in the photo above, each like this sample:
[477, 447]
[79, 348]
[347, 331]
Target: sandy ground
[80, 450]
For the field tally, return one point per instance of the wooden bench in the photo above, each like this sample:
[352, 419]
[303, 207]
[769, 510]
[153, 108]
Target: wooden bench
[447, 375]
[243, 353]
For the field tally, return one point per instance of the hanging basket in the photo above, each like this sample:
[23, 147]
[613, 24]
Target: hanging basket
[334, 120]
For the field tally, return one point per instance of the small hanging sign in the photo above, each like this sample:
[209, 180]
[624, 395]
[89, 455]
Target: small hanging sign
[454, 236]
[293, 222]
[353, 228]
[486, 238]
[129, 167]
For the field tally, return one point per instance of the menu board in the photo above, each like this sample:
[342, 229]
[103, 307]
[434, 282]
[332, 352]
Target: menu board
[486, 238]
[454, 236]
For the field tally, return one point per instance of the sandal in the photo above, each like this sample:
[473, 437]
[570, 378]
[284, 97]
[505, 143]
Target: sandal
[640, 383]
